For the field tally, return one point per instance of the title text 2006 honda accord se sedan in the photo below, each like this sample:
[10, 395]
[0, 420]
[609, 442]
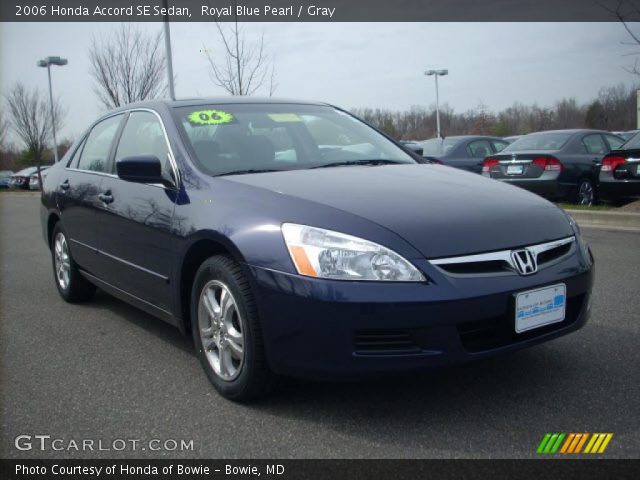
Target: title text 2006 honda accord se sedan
[292, 239]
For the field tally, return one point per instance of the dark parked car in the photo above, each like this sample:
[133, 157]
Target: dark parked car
[290, 238]
[620, 172]
[20, 179]
[557, 164]
[5, 177]
[465, 152]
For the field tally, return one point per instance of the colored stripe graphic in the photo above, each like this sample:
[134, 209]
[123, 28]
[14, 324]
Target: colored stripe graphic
[573, 443]
[598, 443]
[551, 442]
[543, 443]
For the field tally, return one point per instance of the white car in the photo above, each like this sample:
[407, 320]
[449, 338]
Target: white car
[34, 181]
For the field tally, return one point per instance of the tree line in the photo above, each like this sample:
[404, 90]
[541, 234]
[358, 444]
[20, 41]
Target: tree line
[613, 109]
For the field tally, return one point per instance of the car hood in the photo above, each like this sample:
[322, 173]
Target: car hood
[440, 211]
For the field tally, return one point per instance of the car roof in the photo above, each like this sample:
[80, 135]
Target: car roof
[570, 131]
[226, 100]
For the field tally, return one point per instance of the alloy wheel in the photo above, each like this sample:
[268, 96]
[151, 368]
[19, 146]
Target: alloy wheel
[221, 330]
[585, 193]
[62, 261]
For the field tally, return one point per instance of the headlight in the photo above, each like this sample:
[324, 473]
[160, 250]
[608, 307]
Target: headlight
[317, 252]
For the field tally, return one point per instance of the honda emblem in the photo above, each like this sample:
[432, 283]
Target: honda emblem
[524, 261]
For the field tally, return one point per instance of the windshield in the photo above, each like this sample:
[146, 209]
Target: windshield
[539, 141]
[437, 146]
[246, 138]
[632, 143]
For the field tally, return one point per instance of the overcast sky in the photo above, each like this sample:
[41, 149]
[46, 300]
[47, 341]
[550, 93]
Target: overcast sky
[353, 64]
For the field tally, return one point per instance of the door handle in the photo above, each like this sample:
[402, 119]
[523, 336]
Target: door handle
[65, 185]
[106, 198]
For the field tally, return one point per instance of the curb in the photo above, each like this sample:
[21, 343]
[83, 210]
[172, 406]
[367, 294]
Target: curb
[620, 220]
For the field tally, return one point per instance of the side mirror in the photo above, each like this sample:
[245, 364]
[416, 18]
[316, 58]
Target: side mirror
[141, 169]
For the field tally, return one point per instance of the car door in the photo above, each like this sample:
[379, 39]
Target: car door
[79, 188]
[596, 148]
[135, 219]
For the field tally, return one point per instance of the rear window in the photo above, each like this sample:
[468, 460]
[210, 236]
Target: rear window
[632, 143]
[539, 141]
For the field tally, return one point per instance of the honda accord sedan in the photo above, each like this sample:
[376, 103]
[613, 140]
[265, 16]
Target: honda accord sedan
[292, 239]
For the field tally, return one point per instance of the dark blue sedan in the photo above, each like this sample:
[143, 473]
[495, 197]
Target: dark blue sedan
[291, 239]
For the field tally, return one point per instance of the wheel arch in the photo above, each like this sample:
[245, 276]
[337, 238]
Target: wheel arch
[52, 220]
[199, 248]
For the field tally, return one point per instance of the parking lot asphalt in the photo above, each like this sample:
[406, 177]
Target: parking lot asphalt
[105, 371]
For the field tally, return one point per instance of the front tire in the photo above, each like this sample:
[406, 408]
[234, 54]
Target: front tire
[72, 286]
[226, 331]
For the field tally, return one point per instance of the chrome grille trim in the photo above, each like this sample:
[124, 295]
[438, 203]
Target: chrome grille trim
[504, 256]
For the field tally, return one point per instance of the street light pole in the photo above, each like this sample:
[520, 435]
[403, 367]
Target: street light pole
[167, 47]
[47, 62]
[53, 119]
[437, 73]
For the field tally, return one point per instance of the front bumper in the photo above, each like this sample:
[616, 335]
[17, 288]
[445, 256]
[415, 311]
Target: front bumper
[331, 329]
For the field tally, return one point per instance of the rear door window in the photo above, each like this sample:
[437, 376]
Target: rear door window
[479, 149]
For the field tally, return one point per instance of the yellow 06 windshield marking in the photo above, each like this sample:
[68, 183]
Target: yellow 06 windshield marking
[210, 117]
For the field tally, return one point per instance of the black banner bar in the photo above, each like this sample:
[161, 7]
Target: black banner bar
[320, 10]
[583, 469]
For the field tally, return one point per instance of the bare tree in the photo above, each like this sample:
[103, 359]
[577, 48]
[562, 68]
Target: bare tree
[127, 66]
[627, 12]
[244, 66]
[4, 129]
[30, 119]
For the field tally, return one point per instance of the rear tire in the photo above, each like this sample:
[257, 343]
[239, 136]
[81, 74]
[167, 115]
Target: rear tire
[226, 331]
[586, 192]
[71, 285]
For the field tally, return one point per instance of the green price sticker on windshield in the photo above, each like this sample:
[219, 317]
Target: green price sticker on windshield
[210, 117]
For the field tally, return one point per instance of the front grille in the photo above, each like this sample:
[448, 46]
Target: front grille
[480, 335]
[554, 254]
[477, 268]
[384, 342]
[501, 261]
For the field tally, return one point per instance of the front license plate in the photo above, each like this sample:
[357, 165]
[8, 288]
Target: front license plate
[515, 169]
[536, 308]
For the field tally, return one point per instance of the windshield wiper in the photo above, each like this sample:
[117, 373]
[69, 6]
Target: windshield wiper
[250, 170]
[360, 162]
